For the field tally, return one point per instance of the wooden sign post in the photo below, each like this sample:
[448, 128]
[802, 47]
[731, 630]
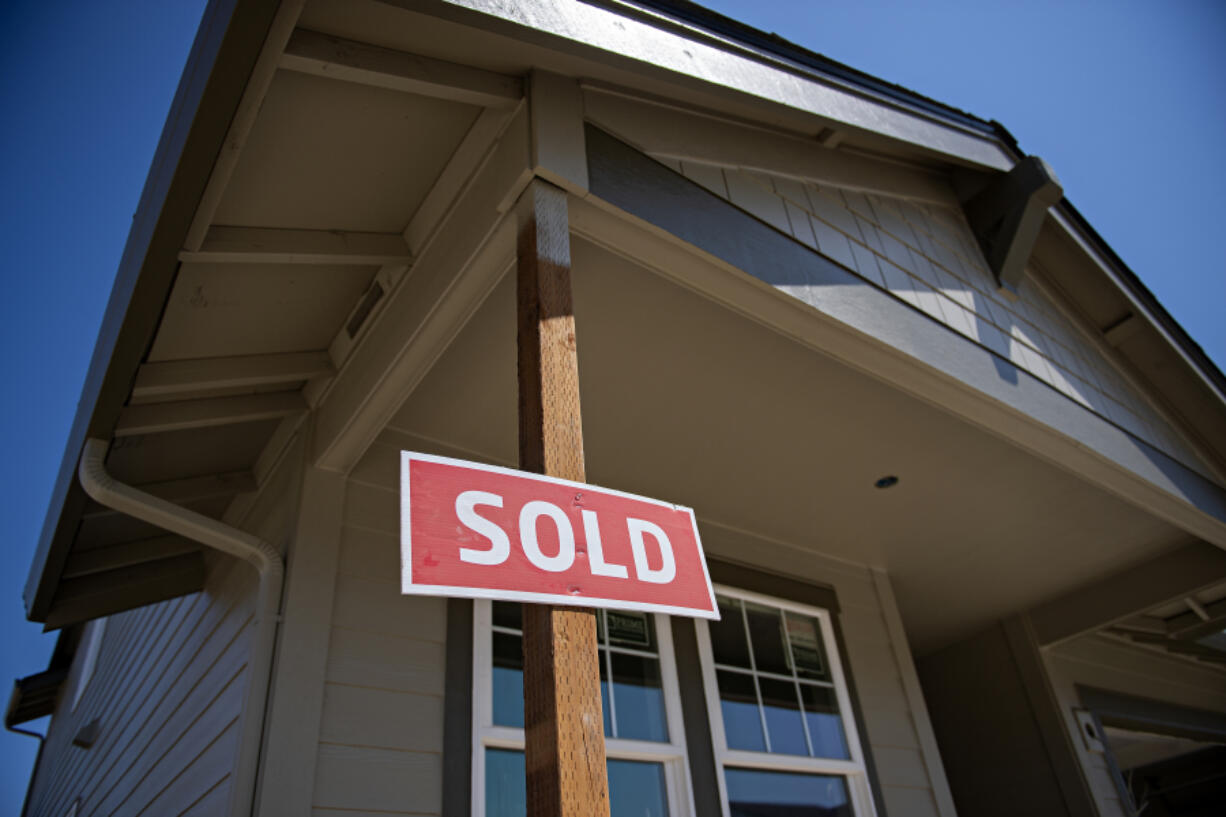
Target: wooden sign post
[564, 730]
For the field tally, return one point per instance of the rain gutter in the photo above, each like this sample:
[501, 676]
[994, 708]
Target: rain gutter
[106, 490]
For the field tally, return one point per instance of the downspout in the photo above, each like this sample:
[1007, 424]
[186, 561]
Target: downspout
[104, 489]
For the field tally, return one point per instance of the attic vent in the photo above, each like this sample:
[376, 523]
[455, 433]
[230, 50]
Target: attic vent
[372, 297]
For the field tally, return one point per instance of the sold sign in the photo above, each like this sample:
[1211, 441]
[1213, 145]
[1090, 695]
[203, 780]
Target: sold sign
[480, 531]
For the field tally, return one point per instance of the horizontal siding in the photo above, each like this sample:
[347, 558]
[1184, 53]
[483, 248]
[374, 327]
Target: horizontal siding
[362, 778]
[346, 812]
[904, 802]
[168, 692]
[382, 719]
[381, 737]
[164, 691]
[381, 734]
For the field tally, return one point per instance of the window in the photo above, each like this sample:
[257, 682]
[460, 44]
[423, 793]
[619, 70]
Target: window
[644, 736]
[779, 711]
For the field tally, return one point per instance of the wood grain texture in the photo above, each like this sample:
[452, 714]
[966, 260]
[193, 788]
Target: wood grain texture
[550, 429]
[565, 752]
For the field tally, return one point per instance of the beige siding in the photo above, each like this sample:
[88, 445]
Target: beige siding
[168, 689]
[925, 254]
[381, 735]
[381, 741]
[903, 769]
[1107, 664]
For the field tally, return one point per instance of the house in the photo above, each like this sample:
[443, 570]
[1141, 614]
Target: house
[959, 477]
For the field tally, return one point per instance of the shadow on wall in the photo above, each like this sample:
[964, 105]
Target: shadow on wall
[794, 249]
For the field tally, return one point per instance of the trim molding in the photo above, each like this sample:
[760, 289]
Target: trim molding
[756, 580]
[458, 710]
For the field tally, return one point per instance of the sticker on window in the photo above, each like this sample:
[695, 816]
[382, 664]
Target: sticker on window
[629, 629]
[806, 650]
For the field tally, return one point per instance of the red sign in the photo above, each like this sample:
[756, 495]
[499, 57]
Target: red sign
[480, 531]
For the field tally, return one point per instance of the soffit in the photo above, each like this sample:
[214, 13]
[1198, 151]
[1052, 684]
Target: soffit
[262, 307]
[477, 39]
[1192, 627]
[688, 402]
[655, 60]
[332, 155]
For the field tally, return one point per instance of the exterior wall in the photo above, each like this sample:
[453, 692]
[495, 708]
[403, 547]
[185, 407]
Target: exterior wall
[382, 734]
[925, 254]
[882, 672]
[1107, 664]
[168, 690]
[991, 746]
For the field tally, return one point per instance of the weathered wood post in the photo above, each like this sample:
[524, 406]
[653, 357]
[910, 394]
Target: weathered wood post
[564, 733]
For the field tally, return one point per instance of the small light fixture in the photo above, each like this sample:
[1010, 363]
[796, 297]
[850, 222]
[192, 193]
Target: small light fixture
[886, 482]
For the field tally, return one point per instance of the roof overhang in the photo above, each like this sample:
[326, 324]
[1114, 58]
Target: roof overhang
[483, 47]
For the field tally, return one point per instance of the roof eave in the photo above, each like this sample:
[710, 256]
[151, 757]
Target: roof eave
[229, 41]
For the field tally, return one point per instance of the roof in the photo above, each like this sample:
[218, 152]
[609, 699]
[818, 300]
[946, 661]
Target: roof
[223, 60]
[772, 43]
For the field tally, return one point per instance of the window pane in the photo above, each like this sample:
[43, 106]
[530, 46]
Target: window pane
[506, 792]
[639, 699]
[739, 704]
[754, 793]
[508, 683]
[825, 725]
[807, 654]
[635, 789]
[728, 635]
[508, 680]
[766, 633]
[783, 724]
[508, 614]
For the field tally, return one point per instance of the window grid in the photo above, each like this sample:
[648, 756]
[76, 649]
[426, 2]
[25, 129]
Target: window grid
[852, 770]
[670, 755]
[794, 678]
[753, 668]
[608, 669]
[606, 651]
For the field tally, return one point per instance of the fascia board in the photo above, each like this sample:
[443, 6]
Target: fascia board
[666, 43]
[229, 41]
[689, 52]
[1142, 304]
[653, 39]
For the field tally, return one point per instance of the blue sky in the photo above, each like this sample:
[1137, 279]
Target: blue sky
[1125, 99]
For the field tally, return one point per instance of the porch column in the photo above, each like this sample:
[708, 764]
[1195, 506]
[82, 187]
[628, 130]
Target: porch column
[564, 730]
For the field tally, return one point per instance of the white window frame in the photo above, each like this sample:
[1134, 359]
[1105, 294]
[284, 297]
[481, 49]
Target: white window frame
[486, 735]
[854, 770]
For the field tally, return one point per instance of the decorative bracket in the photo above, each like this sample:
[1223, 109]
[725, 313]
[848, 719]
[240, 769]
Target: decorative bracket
[1006, 217]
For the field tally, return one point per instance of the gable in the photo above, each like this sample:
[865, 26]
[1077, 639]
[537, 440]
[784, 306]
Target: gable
[924, 254]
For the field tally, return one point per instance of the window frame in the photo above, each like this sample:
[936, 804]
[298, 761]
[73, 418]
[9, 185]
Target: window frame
[853, 770]
[673, 755]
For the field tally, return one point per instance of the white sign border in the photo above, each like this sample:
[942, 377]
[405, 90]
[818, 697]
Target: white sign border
[408, 588]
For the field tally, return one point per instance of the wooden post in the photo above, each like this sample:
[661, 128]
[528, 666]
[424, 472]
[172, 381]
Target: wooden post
[564, 730]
